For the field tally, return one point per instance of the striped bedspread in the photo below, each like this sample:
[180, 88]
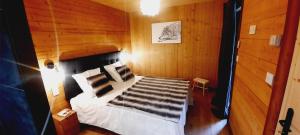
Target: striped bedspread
[164, 98]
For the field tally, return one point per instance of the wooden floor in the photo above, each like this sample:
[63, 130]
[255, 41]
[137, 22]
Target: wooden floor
[200, 120]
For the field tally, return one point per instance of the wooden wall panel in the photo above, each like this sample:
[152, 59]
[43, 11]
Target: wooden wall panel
[251, 95]
[64, 26]
[196, 56]
[81, 26]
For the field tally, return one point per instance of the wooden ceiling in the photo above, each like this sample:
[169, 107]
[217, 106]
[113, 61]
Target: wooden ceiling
[133, 5]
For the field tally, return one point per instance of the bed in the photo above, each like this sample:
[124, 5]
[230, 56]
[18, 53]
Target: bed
[100, 112]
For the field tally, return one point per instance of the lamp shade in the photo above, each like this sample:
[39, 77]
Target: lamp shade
[150, 7]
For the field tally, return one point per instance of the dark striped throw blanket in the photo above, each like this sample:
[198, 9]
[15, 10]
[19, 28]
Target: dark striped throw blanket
[164, 98]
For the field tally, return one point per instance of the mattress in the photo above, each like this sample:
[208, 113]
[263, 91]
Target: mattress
[96, 112]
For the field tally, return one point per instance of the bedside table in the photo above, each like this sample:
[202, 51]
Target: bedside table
[68, 125]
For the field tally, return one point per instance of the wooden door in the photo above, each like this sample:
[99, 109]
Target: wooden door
[292, 93]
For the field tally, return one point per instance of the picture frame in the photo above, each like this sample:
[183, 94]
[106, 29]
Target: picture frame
[166, 32]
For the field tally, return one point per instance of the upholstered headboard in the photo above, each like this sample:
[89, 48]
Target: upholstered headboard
[78, 65]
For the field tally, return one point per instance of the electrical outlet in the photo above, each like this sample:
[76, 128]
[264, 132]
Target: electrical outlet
[275, 40]
[252, 29]
[269, 78]
[237, 58]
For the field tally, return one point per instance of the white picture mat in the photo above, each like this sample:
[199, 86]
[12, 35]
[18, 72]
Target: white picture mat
[157, 30]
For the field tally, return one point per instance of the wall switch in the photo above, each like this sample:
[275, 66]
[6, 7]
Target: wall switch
[237, 58]
[55, 92]
[252, 29]
[269, 78]
[275, 40]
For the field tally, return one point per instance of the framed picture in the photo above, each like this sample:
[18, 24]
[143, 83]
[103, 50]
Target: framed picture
[166, 32]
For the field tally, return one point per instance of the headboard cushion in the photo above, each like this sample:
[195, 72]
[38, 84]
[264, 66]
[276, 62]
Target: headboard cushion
[78, 65]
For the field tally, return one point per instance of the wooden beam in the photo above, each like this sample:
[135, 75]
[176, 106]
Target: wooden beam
[283, 68]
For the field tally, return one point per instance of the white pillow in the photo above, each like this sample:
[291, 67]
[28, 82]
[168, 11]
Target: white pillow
[93, 72]
[111, 69]
[82, 81]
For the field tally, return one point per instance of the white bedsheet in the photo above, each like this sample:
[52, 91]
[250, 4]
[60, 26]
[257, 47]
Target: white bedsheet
[96, 112]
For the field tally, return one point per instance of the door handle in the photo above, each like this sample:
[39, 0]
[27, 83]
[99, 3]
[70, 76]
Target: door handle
[286, 124]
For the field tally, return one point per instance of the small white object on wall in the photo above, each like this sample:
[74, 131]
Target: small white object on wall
[55, 91]
[167, 32]
[252, 29]
[269, 78]
[275, 40]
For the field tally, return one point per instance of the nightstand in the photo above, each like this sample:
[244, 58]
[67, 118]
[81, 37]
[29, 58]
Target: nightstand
[68, 125]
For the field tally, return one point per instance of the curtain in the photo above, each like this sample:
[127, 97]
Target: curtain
[231, 23]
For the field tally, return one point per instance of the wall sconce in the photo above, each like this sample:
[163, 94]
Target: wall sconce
[125, 57]
[49, 64]
[52, 76]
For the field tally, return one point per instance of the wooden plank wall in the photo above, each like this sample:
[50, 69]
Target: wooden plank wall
[197, 55]
[81, 26]
[251, 94]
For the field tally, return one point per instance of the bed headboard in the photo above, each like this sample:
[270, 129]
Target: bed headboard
[78, 65]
